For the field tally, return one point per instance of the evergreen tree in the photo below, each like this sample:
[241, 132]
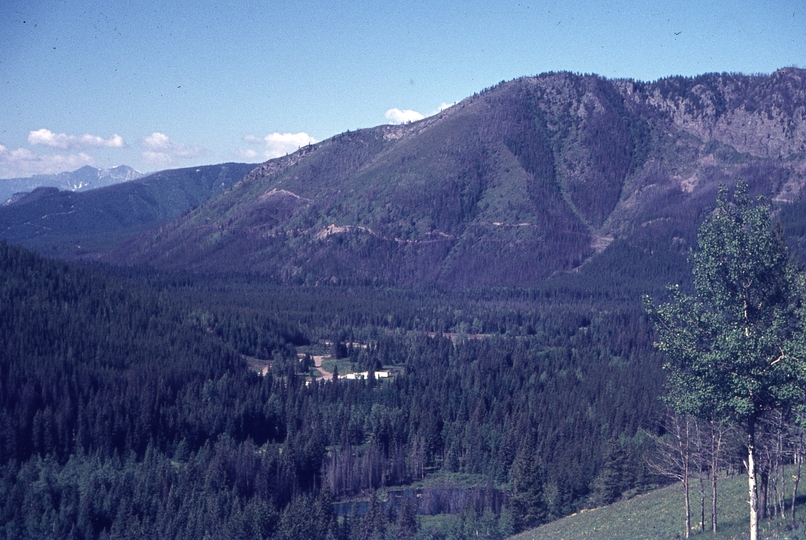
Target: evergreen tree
[613, 478]
[406, 522]
[528, 503]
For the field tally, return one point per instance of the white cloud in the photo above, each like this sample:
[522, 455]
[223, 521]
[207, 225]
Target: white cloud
[160, 142]
[161, 150]
[252, 139]
[403, 117]
[276, 144]
[247, 155]
[279, 144]
[397, 116]
[46, 137]
[21, 163]
[158, 159]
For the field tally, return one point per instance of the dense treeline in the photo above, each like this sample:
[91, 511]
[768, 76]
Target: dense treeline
[94, 364]
[128, 409]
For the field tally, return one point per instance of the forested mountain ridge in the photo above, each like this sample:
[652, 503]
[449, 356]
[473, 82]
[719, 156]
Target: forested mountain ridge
[527, 179]
[80, 224]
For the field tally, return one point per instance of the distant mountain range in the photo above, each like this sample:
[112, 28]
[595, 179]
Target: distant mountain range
[83, 224]
[79, 180]
[536, 177]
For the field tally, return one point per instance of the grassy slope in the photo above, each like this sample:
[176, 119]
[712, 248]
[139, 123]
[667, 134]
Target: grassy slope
[659, 514]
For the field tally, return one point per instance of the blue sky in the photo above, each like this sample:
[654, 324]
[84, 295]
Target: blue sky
[156, 84]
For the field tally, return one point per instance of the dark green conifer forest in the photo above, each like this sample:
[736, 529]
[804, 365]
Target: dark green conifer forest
[129, 407]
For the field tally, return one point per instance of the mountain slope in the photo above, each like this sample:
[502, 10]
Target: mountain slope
[79, 224]
[530, 178]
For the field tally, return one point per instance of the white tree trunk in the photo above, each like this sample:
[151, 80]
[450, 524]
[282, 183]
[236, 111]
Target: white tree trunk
[714, 472]
[688, 507]
[686, 462]
[751, 480]
[798, 463]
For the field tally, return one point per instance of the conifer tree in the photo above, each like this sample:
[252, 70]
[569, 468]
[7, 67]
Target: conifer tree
[528, 502]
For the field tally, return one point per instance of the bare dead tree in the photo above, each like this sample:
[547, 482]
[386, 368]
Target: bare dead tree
[771, 452]
[672, 457]
[700, 462]
[798, 444]
[718, 434]
[417, 458]
[779, 479]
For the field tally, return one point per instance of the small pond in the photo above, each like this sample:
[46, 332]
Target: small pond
[431, 501]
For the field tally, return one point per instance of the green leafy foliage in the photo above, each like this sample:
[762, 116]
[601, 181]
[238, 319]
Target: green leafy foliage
[737, 347]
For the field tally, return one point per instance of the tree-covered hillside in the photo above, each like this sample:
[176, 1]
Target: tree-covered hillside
[82, 224]
[128, 408]
[531, 178]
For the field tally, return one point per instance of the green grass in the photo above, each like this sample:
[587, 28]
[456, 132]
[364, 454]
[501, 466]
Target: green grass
[345, 365]
[659, 515]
